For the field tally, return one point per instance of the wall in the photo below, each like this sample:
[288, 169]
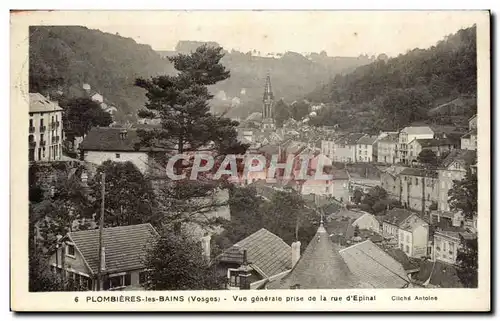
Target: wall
[368, 222]
[339, 189]
[364, 153]
[53, 136]
[139, 159]
[420, 240]
[411, 192]
[469, 143]
[391, 184]
[386, 152]
[443, 245]
[446, 178]
[389, 229]
[405, 242]
[344, 153]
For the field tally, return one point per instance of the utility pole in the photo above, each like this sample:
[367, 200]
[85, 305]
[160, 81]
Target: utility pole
[101, 224]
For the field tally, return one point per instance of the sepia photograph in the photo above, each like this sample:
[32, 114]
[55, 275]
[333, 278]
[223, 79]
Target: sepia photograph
[182, 157]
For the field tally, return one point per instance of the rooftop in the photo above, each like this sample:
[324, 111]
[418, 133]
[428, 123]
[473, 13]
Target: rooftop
[113, 139]
[439, 274]
[400, 256]
[124, 246]
[265, 250]
[349, 139]
[39, 104]
[390, 138]
[418, 130]
[462, 156]
[374, 266]
[396, 216]
[420, 172]
[433, 142]
[367, 140]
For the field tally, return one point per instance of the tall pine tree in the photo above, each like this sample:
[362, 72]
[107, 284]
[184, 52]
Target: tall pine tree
[181, 103]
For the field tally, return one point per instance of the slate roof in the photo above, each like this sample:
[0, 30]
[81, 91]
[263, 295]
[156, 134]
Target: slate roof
[420, 172]
[124, 246]
[470, 133]
[373, 266]
[367, 140]
[460, 155]
[320, 267]
[39, 104]
[400, 256]
[390, 138]
[418, 130]
[433, 142]
[265, 250]
[109, 139]
[349, 139]
[339, 174]
[441, 274]
[394, 170]
[396, 216]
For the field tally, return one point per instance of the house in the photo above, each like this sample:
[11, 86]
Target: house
[454, 218]
[339, 185]
[437, 274]
[45, 129]
[454, 167]
[328, 145]
[386, 148]
[473, 122]
[413, 236]
[363, 220]
[118, 145]
[447, 242]
[319, 267]
[364, 149]
[410, 265]
[406, 136]
[345, 148]
[469, 140]
[374, 266]
[419, 188]
[438, 146]
[267, 257]
[390, 181]
[123, 254]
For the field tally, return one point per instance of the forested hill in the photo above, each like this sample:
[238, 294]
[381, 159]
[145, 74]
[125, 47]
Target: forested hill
[65, 57]
[293, 75]
[435, 85]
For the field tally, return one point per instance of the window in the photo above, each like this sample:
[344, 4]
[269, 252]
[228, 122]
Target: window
[428, 196]
[70, 250]
[444, 246]
[407, 249]
[443, 185]
[234, 278]
[41, 122]
[416, 180]
[117, 155]
[31, 122]
[407, 238]
[401, 246]
[117, 281]
[452, 247]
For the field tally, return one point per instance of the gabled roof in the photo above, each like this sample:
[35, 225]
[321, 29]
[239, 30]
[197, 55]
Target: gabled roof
[412, 222]
[418, 130]
[419, 172]
[372, 265]
[441, 274]
[394, 170]
[390, 138]
[349, 214]
[433, 142]
[462, 156]
[39, 104]
[110, 139]
[400, 256]
[265, 250]
[320, 267]
[472, 132]
[396, 216]
[349, 139]
[367, 140]
[124, 246]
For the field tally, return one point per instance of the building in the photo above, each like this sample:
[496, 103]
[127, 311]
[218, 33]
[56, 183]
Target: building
[122, 259]
[45, 129]
[345, 148]
[391, 182]
[413, 236]
[469, 140]
[438, 146]
[364, 149]
[319, 267]
[339, 185]
[361, 219]
[454, 167]
[328, 146]
[419, 188]
[406, 136]
[386, 148]
[267, 257]
[268, 122]
[391, 222]
[118, 145]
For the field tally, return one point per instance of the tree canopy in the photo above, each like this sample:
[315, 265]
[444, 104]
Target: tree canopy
[81, 114]
[463, 196]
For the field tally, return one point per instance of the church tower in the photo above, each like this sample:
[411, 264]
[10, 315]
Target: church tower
[268, 105]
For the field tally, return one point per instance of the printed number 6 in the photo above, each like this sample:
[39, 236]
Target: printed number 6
[76, 299]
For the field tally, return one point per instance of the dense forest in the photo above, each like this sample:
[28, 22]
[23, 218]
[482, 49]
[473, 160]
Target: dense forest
[435, 85]
[63, 58]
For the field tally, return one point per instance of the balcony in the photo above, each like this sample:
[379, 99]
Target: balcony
[43, 143]
[43, 128]
[32, 129]
[32, 144]
[54, 124]
[55, 140]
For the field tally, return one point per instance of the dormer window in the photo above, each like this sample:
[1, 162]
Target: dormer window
[70, 250]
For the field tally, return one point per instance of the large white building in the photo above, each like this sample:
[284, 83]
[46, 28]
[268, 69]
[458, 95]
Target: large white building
[406, 136]
[45, 129]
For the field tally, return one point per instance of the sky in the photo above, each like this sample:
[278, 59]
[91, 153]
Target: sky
[339, 33]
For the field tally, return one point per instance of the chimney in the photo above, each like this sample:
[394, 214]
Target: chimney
[244, 273]
[205, 245]
[295, 252]
[103, 260]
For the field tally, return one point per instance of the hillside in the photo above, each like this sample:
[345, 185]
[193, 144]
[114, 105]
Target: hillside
[435, 85]
[293, 75]
[63, 58]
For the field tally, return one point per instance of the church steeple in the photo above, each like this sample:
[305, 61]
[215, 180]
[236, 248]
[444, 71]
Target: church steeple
[268, 105]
